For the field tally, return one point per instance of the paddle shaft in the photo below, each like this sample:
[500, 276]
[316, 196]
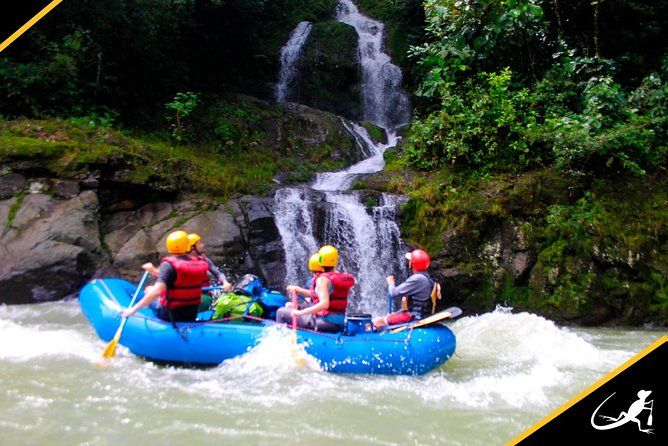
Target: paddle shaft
[117, 336]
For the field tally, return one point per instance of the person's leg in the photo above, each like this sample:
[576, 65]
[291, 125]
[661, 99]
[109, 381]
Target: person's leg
[160, 311]
[400, 317]
[185, 314]
[284, 316]
[323, 325]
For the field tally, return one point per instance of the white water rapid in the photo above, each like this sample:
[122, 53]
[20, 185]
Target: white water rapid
[289, 56]
[360, 226]
[510, 370]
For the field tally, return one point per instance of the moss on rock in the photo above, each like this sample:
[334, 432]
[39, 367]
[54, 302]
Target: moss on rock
[330, 70]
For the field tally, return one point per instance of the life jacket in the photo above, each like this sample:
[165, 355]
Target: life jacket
[423, 304]
[187, 287]
[338, 296]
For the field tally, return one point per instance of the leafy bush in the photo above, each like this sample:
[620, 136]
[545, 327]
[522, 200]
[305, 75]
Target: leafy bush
[182, 106]
[480, 126]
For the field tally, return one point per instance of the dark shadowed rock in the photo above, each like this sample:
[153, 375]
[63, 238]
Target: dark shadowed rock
[264, 243]
[330, 70]
[11, 184]
[66, 188]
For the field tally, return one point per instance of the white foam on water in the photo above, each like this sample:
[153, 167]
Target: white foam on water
[36, 331]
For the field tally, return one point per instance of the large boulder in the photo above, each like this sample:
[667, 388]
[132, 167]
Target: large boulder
[330, 70]
[50, 246]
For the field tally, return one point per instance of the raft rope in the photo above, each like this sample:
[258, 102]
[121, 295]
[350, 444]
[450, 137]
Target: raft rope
[336, 337]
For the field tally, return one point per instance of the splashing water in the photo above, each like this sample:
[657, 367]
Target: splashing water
[510, 370]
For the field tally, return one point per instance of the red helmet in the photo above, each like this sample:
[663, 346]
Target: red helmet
[419, 259]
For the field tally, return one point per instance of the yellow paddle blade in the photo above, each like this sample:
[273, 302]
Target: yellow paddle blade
[297, 354]
[298, 357]
[110, 351]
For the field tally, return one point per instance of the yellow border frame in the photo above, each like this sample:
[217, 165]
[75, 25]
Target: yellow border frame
[29, 24]
[589, 390]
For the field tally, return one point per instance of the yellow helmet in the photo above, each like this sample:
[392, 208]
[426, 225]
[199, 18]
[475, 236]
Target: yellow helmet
[328, 256]
[177, 242]
[192, 240]
[314, 264]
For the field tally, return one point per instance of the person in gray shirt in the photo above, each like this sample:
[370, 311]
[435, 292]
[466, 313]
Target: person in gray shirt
[414, 294]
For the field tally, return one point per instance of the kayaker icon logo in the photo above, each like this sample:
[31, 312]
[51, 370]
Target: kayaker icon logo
[631, 415]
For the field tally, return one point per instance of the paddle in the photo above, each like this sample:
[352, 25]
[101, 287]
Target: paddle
[110, 351]
[296, 354]
[449, 313]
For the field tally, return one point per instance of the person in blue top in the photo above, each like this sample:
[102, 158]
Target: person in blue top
[414, 294]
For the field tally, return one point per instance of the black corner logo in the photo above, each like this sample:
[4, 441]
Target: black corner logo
[628, 405]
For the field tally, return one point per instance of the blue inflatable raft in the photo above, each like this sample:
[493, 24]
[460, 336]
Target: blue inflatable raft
[412, 352]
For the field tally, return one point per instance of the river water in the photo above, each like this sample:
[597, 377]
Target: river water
[510, 370]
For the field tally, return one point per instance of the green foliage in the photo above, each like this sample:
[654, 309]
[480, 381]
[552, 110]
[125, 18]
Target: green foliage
[562, 105]
[235, 127]
[182, 106]
[131, 58]
[14, 208]
[469, 36]
[482, 127]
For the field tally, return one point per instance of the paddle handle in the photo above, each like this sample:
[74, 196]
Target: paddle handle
[132, 302]
[293, 296]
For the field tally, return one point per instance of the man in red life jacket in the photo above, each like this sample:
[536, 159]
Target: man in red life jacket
[179, 283]
[415, 292]
[330, 291]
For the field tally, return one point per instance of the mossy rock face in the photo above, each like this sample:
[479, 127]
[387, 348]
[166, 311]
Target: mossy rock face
[330, 70]
[590, 253]
[376, 133]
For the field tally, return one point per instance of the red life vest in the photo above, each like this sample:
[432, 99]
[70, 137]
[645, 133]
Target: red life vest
[187, 287]
[338, 296]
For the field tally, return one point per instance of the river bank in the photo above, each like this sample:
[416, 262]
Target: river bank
[96, 203]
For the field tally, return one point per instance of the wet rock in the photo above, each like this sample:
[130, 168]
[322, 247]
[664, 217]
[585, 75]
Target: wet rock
[5, 207]
[330, 70]
[66, 188]
[264, 243]
[11, 184]
[53, 247]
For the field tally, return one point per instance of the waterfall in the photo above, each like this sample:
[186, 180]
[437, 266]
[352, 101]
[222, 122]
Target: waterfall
[289, 57]
[383, 101]
[292, 215]
[362, 227]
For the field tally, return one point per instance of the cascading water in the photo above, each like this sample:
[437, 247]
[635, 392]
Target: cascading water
[289, 56]
[366, 234]
[383, 99]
